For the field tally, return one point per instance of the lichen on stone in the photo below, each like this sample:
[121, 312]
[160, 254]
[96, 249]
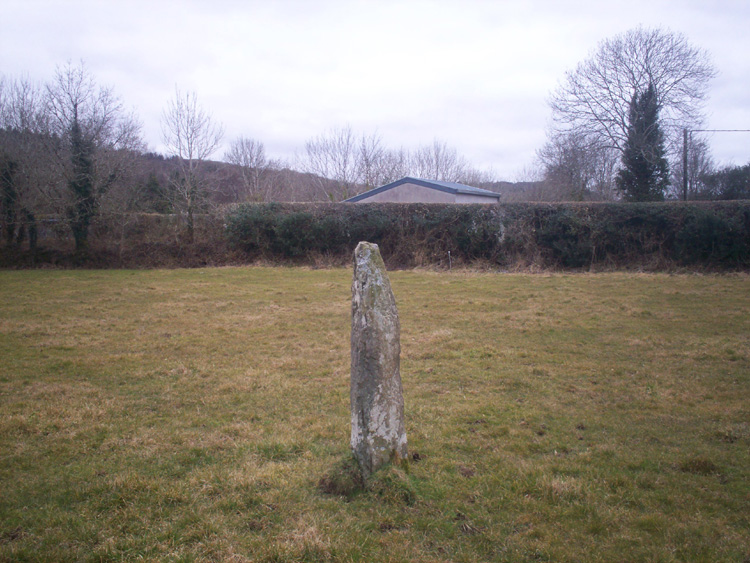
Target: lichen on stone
[378, 436]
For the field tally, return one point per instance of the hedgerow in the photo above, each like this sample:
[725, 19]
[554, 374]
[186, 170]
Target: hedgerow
[519, 236]
[571, 236]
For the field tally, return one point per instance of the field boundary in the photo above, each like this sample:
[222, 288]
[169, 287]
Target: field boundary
[667, 236]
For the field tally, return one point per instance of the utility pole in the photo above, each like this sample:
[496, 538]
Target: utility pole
[684, 164]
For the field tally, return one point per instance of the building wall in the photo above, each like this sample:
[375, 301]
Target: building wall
[469, 198]
[412, 193]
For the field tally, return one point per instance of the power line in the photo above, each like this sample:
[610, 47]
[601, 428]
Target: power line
[718, 130]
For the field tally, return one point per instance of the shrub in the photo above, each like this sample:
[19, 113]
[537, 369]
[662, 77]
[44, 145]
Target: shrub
[565, 237]
[629, 235]
[251, 227]
[706, 237]
[698, 235]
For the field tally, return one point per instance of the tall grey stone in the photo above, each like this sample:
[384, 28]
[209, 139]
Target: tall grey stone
[377, 401]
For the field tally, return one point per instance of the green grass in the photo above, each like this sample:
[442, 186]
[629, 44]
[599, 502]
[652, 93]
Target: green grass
[190, 415]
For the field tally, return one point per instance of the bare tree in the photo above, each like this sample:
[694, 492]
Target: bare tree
[249, 156]
[343, 164]
[478, 178]
[378, 165]
[21, 104]
[92, 141]
[371, 164]
[700, 165]
[394, 165]
[577, 168]
[438, 161]
[191, 136]
[333, 160]
[23, 163]
[594, 99]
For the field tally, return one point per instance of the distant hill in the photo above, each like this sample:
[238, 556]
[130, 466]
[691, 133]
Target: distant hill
[289, 185]
[150, 176]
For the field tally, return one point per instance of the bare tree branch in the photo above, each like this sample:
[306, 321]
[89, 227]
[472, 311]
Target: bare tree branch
[191, 136]
[249, 156]
[91, 142]
[594, 99]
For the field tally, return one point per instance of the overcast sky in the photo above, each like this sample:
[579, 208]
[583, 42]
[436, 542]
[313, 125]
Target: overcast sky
[473, 73]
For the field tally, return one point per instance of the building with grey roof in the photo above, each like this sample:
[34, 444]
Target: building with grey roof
[416, 190]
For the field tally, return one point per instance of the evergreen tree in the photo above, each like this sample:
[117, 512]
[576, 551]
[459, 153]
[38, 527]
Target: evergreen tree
[155, 197]
[731, 182]
[81, 184]
[93, 143]
[8, 197]
[645, 172]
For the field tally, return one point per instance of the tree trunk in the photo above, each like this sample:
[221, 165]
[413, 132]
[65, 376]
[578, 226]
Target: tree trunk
[33, 232]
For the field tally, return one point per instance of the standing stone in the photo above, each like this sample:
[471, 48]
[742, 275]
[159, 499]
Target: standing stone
[377, 401]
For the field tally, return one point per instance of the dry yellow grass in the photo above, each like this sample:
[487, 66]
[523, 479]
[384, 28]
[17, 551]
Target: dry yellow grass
[188, 415]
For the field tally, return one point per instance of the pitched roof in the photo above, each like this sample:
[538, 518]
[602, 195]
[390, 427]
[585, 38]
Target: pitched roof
[448, 187]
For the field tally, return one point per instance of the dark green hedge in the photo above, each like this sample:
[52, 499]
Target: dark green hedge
[623, 235]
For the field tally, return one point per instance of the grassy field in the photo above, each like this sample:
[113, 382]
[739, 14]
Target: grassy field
[190, 415]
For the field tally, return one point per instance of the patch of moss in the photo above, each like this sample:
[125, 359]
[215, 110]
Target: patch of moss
[393, 485]
[344, 479]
